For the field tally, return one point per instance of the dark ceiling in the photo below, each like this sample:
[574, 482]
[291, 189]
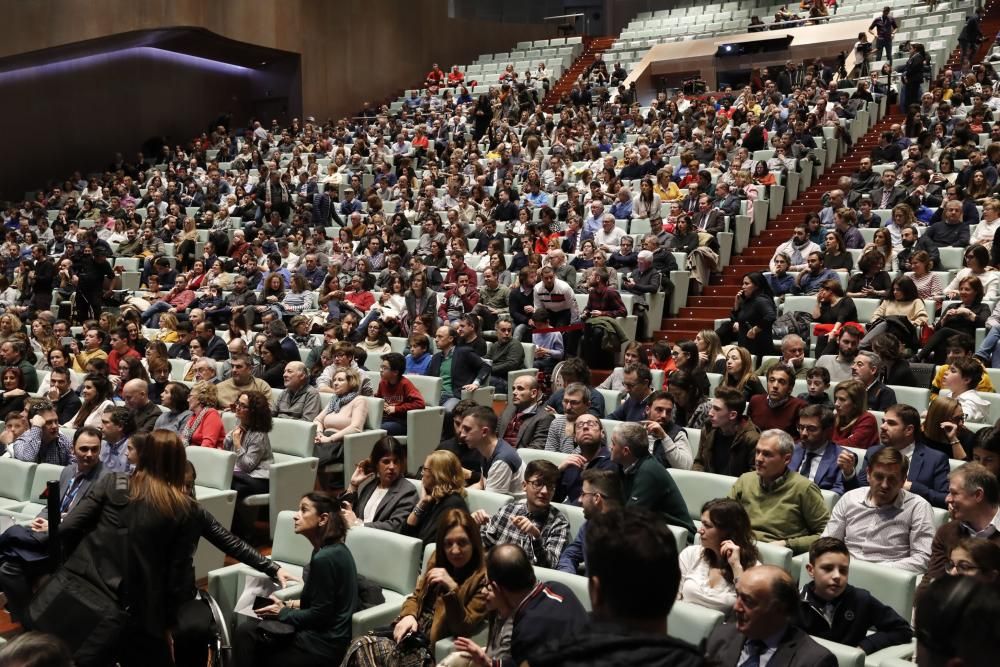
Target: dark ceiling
[190, 41]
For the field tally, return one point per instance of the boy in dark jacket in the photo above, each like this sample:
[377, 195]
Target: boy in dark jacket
[835, 610]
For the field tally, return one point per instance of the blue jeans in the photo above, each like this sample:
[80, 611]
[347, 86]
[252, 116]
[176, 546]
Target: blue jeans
[151, 316]
[989, 351]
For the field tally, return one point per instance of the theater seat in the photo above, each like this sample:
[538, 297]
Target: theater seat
[15, 482]
[691, 622]
[847, 656]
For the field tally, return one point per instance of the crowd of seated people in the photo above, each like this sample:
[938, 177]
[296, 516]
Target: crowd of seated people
[275, 315]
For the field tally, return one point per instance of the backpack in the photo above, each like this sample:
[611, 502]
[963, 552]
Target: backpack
[796, 322]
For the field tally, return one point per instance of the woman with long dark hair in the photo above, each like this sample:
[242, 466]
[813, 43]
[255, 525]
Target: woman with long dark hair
[752, 316]
[961, 317]
[379, 495]
[322, 616]
[709, 570]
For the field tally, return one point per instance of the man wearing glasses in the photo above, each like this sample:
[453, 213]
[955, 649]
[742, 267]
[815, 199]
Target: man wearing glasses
[815, 456]
[602, 492]
[532, 524]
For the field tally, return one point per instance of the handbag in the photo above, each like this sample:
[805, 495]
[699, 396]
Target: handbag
[88, 618]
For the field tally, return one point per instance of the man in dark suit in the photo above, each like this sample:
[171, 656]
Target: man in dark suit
[17, 573]
[866, 369]
[928, 474]
[815, 456]
[459, 367]
[708, 219]
[766, 601]
[524, 422]
[725, 201]
[887, 194]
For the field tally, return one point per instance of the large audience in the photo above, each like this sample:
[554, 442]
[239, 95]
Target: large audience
[194, 297]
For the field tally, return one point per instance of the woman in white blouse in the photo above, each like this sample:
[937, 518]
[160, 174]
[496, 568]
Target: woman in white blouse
[709, 570]
[988, 224]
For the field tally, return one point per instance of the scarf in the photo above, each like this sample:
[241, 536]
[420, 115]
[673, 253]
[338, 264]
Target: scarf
[337, 402]
[797, 257]
[777, 404]
[191, 426]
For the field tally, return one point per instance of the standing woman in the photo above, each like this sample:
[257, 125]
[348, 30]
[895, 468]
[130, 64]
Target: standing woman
[153, 567]
[854, 426]
[913, 75]
[252, 444]
[752, 316]
[322, 616]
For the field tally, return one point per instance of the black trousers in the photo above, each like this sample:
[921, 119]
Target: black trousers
[250, 650]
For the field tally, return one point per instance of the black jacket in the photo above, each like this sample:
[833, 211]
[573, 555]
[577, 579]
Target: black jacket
[600, 644]
[550, 610]
[855, 611]
[152, 571]
[466, 367]
[426, 529]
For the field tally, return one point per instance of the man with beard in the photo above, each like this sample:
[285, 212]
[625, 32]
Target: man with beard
[914, 243]
[840, 365]
[601, 492]
[778, 408]
[669, 441]
[591, 454]
[797, 249]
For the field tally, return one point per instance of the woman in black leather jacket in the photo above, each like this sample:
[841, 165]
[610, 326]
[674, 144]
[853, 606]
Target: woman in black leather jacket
[195, 626]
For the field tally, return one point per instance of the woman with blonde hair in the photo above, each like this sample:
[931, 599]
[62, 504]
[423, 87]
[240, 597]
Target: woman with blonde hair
[853, 425]
[11, 328]
[346, 413]
[168, 329]
[204, 427]
[740, 374]
[665, 186]
[711, 358]
[944, 429]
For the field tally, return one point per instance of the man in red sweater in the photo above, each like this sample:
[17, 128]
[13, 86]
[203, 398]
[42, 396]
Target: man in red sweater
[399, 394]
[778, 409]
[120, 350]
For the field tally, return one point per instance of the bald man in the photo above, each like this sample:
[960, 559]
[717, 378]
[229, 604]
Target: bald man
[136, 395]
[299, 400]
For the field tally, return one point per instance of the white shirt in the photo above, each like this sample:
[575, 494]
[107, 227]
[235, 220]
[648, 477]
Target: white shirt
[976, 408]
[373, 502]
[897, 535]
[695, 587]
[814, 463]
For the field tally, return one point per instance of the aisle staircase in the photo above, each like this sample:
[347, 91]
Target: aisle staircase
[592, 46]
[716, 302]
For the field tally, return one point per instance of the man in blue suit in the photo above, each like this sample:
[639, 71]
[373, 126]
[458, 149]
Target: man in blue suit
[814, 455]
[928, 474]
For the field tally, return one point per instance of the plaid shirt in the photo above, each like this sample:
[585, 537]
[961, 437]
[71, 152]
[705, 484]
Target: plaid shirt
[29, 448]
[544, 550]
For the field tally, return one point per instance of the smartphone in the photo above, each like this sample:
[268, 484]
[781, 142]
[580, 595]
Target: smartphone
[66, 341]
[261, 602]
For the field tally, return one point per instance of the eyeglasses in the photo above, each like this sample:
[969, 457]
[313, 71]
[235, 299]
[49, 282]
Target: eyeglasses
[539, 484]
[421, 470]
[962, 567]
[584, 494]
[958, 418]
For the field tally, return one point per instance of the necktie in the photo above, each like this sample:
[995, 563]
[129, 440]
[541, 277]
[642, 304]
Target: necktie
[71, 492]
[756, 648]
[885, 198]
[807, 462]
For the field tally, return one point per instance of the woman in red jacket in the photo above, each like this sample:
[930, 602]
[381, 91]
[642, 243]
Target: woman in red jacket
[399, 394]
[854, 425]
[204, 427]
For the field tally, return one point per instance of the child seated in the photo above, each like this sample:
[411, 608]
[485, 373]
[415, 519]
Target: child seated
[817, 384]
[419, 359]
[834, 610]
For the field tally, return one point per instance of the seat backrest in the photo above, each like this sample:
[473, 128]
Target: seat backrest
[392, 561]
[576, 583]
[44, 473]
[491, 502]
[891, 586]
[775, 555]
[15, 478]
[213, 467]
[429, 387]
[528, 455]
[697, 488]
[293, 437]
[691, 622]
[574, 514]
[847, 656]
[290, 547]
